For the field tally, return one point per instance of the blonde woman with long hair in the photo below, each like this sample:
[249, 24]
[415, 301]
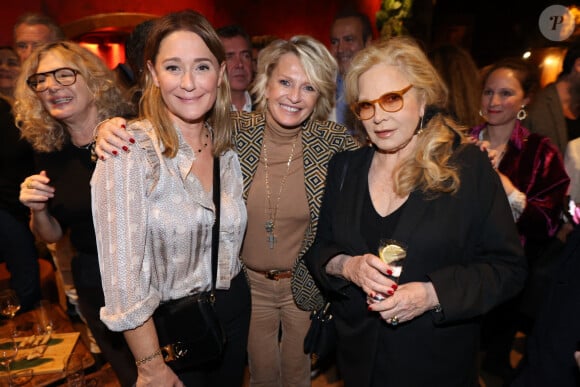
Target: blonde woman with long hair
[420, 185]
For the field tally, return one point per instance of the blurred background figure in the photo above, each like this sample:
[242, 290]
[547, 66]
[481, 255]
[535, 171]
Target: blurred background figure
[130, 74]
[18, 247]
[240, 73]
[62, 93]
[555, 110]
[351, 31]
[462, 77]
[535, 181]
[9, 70]
[552, 356]
[32, 30]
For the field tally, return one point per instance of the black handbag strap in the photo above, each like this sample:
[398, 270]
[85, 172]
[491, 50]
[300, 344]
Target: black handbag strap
[215, 232]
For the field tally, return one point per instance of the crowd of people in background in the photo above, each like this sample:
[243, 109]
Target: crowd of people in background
[322, 154]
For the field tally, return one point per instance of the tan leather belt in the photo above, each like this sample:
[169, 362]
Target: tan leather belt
[275, 275]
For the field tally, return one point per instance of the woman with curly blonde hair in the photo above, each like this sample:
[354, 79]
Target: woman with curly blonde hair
[423, 187]
[62, 93]
[47, 133]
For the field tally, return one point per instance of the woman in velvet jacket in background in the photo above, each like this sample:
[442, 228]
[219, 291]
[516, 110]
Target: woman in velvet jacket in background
[533, 176]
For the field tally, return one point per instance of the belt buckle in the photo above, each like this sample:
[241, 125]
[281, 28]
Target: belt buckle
[273, 275]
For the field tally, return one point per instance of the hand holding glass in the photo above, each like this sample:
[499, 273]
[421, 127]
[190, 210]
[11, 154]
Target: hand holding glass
[393, 253]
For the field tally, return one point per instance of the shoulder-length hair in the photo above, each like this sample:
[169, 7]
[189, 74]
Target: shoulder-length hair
[430, 169]
[45, 133]
[152, 105]
[319, 65]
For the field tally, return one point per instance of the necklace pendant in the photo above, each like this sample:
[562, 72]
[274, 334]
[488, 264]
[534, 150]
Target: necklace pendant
[271, 240]
[269, 227]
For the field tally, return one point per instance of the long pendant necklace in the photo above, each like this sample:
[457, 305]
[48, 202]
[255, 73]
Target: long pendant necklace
[272, 211]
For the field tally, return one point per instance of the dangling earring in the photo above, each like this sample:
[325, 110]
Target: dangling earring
[522, 114]
[420, 128]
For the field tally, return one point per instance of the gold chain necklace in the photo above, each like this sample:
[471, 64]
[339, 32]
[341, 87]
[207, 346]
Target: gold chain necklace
[270, 212]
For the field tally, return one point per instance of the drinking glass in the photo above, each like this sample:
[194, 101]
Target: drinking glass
[9, 306]
[8, 352]
[393, 253]
[44, 316]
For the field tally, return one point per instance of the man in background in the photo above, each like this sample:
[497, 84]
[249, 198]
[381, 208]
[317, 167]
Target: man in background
[238, 49]
[351, 31]
[32, 30]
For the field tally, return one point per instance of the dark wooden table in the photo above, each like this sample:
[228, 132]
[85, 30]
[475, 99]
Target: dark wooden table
[61, 324]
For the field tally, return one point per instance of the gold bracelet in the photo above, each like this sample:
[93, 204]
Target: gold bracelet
[146, 359]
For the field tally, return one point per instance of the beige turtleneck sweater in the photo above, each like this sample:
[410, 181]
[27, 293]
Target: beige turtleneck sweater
[292, 215]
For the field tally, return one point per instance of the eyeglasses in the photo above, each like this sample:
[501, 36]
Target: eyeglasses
[64, 76]
[391, 102]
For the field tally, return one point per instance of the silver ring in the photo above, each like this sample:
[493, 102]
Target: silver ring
[394, 321]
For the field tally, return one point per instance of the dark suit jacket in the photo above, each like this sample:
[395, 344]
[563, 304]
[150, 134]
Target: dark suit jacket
[549, 359]
[466, 245]
[546, 117]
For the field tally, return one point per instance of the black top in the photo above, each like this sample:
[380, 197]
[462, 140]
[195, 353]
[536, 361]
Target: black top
[376, 227]
[70, 172]
[16, 163]
[466, 244]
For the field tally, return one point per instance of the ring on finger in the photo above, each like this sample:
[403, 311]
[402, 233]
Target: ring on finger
[394, 321]
[29, 185]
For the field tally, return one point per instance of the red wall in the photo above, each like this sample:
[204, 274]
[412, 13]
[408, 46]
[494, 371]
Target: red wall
[259, 17]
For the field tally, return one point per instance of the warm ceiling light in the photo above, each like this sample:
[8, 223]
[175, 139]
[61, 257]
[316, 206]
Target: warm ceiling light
[527, 54]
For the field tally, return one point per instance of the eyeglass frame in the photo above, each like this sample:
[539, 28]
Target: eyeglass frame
[400, 93]
[53, 73]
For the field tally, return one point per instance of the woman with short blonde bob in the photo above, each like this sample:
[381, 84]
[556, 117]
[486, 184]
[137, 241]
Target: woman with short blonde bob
[422, 185]
[284, 149]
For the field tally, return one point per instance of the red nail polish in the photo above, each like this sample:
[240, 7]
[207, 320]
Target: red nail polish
[132, 140]
[102, 157]
[369, 308]
[389, 272]
[372, 294]
[123, 126]
[125, 148]
[115, 152]
[394, 286]
[390, 292]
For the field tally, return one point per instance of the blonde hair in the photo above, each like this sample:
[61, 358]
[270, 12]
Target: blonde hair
[45, 133]
[319, 65]
[430, 169]
[152, 104]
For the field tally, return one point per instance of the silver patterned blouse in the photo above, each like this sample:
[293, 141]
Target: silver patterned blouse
[153, 222]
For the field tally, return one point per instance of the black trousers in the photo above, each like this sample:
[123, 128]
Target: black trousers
[233, 307]
[17, 249]
[87, 280]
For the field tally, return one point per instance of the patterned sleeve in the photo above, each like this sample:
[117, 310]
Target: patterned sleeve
[119, 188]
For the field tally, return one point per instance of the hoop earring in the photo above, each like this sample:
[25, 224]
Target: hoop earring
[481, 113]
[522, 114]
